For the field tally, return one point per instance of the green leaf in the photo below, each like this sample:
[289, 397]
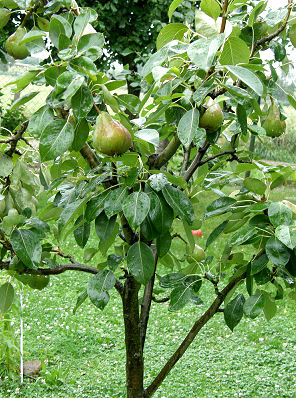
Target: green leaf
[216, 233]
[179, 202]
[69, 212]
[95, 206]
[219, 206]
[84, 66]
[202, 52]
[254, 305]
[113, 261]
[104, 226]
[23, 100]
[135, 208]
[82, 102]
[270, 306]
[242, 118]
[149, 135]
[157, 181]
[189, 235]
[56, 139]
[235, 51]
[280, 214]
[140, 262]
[172, 31]
[187, 127]
[179, 297]
[277, 252]
[173, 6]
[6, 297]
[98, 286]
[6, 165]
[258, 264]
[91, 45]
[255, 185]
[161, 214]
[58, 26]
[81, 234]
[129, 101]
[287, 235]
[233, 311]
[40, 120]
[27, 247]
[242, 236]
[248, 77]
[113, 202]
[171, 280]
[292, 100]
[104, 245]
[211, 8]
[81, 22]
[163, 244]
[80, 300]
[80, 134]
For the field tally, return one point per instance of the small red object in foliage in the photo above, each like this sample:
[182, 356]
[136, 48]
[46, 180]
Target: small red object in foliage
[196, 232]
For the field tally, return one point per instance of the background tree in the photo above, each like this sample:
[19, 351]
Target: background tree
[203, 96]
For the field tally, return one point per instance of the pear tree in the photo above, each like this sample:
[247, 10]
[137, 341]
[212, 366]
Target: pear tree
[93, 158]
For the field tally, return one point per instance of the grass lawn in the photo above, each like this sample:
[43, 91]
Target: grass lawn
[86, 350]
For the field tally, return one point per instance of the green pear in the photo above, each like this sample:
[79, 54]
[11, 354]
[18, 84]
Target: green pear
[273, 124]
[4, 17]
[213, 117]
[109, 136]
[13, 46]
[197, 255]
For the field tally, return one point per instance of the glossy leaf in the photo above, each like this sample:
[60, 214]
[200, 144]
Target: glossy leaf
[98, 286]
[95, 206]
[255, 185]
[135, 208]
[254, 305]
[280, 214]
[163, 244]
[82, 102]
[40, 120]
[179, 202]
[173, 6]
[277, 252]
[248, 77]
[179, 297]
[140, 262]
[287, 235]
[219, 206]
[149, 135]
[172, 31]
[6, 165]
[56, 139]
[115, 199]
[27, 247]
[187, 127]
[235, 51]
[81, 234]
[157, 181]
[80, 134]
[202, 52]
[104, 226]
[6, 297]
[233, 311]
[216, 233]
[161, 214]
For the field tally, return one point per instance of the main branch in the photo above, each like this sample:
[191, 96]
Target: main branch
[212, 310]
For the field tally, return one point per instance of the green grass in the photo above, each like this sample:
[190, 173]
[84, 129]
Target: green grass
[257, 360]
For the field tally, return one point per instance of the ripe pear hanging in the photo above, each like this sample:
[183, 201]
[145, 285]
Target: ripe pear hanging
[110, 137]
[273, 124]
[213, 117]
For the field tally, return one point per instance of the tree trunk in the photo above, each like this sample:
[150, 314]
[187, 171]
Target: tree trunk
[133, 345]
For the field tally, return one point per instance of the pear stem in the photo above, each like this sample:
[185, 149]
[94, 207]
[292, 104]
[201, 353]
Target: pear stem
[97, 108]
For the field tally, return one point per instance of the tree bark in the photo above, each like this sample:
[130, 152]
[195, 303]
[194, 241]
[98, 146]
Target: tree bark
[133, 343]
